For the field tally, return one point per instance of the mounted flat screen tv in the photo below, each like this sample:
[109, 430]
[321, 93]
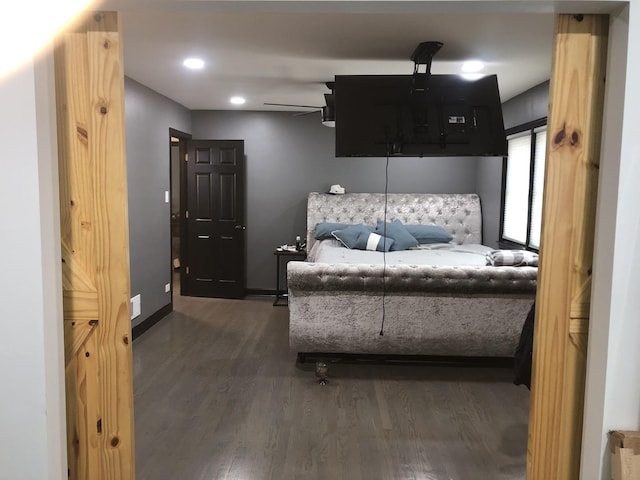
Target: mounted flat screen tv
[380, 115]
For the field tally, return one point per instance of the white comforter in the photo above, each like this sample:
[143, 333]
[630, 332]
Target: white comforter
[332, 251]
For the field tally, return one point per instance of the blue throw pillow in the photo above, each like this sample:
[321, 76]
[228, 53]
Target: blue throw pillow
[402, 239]
[323, 230]
[361, 237]
[429, 233]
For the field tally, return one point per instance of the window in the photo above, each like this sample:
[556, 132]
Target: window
[522, 185]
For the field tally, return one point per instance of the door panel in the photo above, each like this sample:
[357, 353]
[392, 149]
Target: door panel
[215, 219]
[227, 192]
[204, 198]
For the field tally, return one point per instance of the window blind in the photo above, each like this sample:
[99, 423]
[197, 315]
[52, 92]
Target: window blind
[537, 187]
[516, 203]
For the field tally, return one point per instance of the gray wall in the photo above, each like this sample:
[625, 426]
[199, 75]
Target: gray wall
[148, 117]
[489, 186]
[288, 157]
[526, 107]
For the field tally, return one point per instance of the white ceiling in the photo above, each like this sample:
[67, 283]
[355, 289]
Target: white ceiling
[284, 52]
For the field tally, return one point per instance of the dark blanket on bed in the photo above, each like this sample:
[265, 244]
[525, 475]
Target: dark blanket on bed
[524, 353]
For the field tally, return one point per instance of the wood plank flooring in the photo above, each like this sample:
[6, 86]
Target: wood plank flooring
[219, 396]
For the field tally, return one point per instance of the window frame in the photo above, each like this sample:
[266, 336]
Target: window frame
[530, 128]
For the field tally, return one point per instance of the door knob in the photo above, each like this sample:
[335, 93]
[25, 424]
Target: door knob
[240, 227]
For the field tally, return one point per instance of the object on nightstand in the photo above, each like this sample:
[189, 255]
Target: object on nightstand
[336, 190]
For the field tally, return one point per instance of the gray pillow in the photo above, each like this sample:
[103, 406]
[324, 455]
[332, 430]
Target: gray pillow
[361, 237]
[323, 230]
[429, 233]
[402, 239]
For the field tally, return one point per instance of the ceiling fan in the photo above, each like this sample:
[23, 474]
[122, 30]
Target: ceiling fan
[327, 111]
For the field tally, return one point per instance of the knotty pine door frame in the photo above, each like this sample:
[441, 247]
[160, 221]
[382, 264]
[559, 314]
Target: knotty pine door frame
[563, 299]
[90, 95]
[94, 231]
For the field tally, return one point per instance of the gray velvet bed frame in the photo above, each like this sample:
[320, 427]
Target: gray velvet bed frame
[428, 310]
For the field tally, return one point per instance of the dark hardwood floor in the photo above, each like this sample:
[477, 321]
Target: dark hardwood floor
[218, 395]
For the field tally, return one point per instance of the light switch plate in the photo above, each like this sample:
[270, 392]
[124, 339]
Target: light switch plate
[166, 196]
[135, 306]
[167, 288]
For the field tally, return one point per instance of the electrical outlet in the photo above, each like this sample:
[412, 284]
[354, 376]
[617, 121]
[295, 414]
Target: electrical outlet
[135, 306]
[167, 288]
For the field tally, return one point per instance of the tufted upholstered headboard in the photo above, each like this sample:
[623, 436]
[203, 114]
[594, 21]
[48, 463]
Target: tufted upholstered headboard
[458, 214]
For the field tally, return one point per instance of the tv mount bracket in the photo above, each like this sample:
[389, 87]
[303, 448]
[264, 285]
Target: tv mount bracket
[423, 55]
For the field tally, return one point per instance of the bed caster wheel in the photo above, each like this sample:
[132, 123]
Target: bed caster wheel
[322, 371]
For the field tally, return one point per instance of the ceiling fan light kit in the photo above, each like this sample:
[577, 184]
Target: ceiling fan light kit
[328, 116]
[329, 110]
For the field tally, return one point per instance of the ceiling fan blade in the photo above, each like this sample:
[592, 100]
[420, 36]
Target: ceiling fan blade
[300, 114]
[289, 105]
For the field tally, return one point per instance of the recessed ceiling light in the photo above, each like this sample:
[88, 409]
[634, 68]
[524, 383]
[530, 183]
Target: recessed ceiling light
[193, 63]
[237, 100]
[472, 66]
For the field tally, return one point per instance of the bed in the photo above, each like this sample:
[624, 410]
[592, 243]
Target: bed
[439, 299]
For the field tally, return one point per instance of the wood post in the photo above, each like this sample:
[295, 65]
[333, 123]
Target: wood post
[564, 282]
[95, 249]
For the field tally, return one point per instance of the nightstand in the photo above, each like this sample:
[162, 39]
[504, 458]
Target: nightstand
[282, 258]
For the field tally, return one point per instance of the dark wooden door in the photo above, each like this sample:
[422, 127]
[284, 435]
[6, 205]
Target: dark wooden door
[215, 233]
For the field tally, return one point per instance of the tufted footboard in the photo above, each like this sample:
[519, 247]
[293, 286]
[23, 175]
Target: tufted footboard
[429, 310]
